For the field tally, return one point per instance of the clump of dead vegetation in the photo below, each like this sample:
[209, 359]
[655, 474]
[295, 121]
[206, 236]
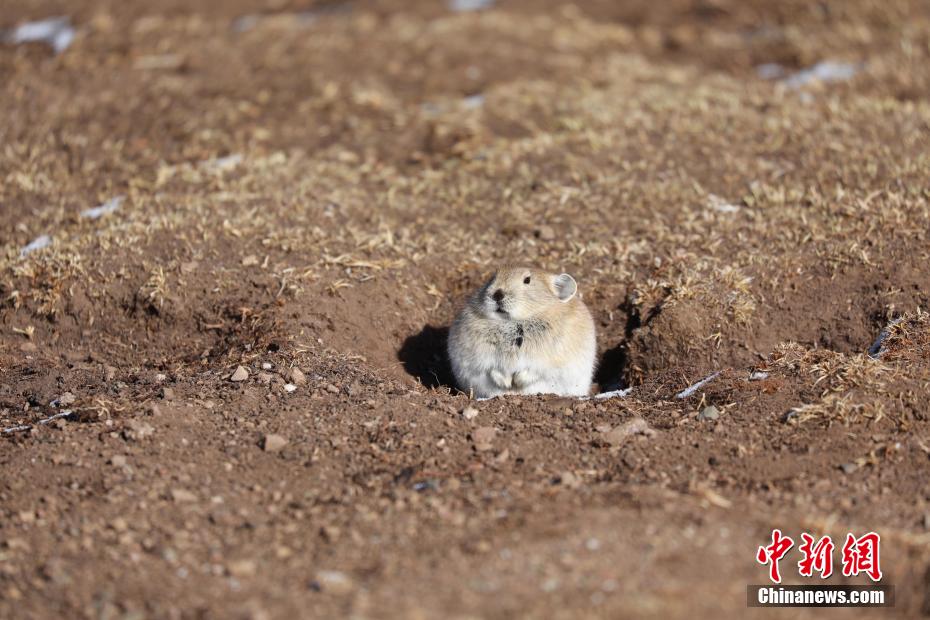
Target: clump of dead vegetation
[863, 386]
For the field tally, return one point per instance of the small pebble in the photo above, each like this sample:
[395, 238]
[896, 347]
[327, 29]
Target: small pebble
[183, 495]
[273, 443]
[545, 232]
[289, 387]
[241, 568]
[483, 438]
[137, 429]
[55, 571]
[118, 460]
[618, 436]
[709, 413]
[469, 413]
[241, 374]
[297, 377]
[334, 582]
[66, 399]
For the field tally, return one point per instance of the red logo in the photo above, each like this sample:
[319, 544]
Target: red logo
[860, 555]
[773, 553]
[817, 557]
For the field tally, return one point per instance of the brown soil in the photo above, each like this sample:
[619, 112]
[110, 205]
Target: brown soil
[317, 191]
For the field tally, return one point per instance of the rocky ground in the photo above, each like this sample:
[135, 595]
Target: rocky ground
[293, 198]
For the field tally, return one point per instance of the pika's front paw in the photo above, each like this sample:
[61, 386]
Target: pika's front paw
[523, 378]
[501, 380]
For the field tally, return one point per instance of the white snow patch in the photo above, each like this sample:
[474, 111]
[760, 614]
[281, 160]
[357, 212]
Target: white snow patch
[54, 31]
[299, 19]
[222, 164]
[110, 206]
[600, 396]
[697, 386]
[464, 6]
[26, 427]
[770, 71]
[40, 242]
[720, 204]
[473, 102]
[826, 71]
[611, 394]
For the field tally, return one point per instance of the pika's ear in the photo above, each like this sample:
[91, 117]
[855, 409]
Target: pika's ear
[565, 287]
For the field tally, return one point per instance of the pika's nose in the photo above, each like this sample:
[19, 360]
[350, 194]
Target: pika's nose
[498, 295]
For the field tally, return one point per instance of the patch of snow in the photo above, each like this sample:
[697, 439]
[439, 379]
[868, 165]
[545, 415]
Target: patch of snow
[758, 375]
[110, 206]
[464, 6]
[612, 394]
[770, 71]
[302, 19]
[720, 204]
[40, 242]
[697, 386]
[222, 164]
[26, 427]
[826, 71]
[54, 31]
[473, 102]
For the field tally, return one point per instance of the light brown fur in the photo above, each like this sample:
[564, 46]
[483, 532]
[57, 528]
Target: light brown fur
[525, 331]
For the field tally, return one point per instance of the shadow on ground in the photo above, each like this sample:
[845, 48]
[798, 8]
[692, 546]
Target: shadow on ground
[610, 368]
[424, 356]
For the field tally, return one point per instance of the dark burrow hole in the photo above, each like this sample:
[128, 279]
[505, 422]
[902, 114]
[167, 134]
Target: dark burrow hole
[612, 367]
[424, 357]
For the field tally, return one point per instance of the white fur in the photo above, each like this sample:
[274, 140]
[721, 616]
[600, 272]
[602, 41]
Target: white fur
[556, 360]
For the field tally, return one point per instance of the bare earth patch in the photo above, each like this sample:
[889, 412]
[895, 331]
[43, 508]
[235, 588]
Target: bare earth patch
[309, 189]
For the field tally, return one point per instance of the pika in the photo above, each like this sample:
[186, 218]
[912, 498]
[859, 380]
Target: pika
[524, 332]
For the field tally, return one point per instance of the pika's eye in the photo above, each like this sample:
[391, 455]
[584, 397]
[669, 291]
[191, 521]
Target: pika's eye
[526, 280]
